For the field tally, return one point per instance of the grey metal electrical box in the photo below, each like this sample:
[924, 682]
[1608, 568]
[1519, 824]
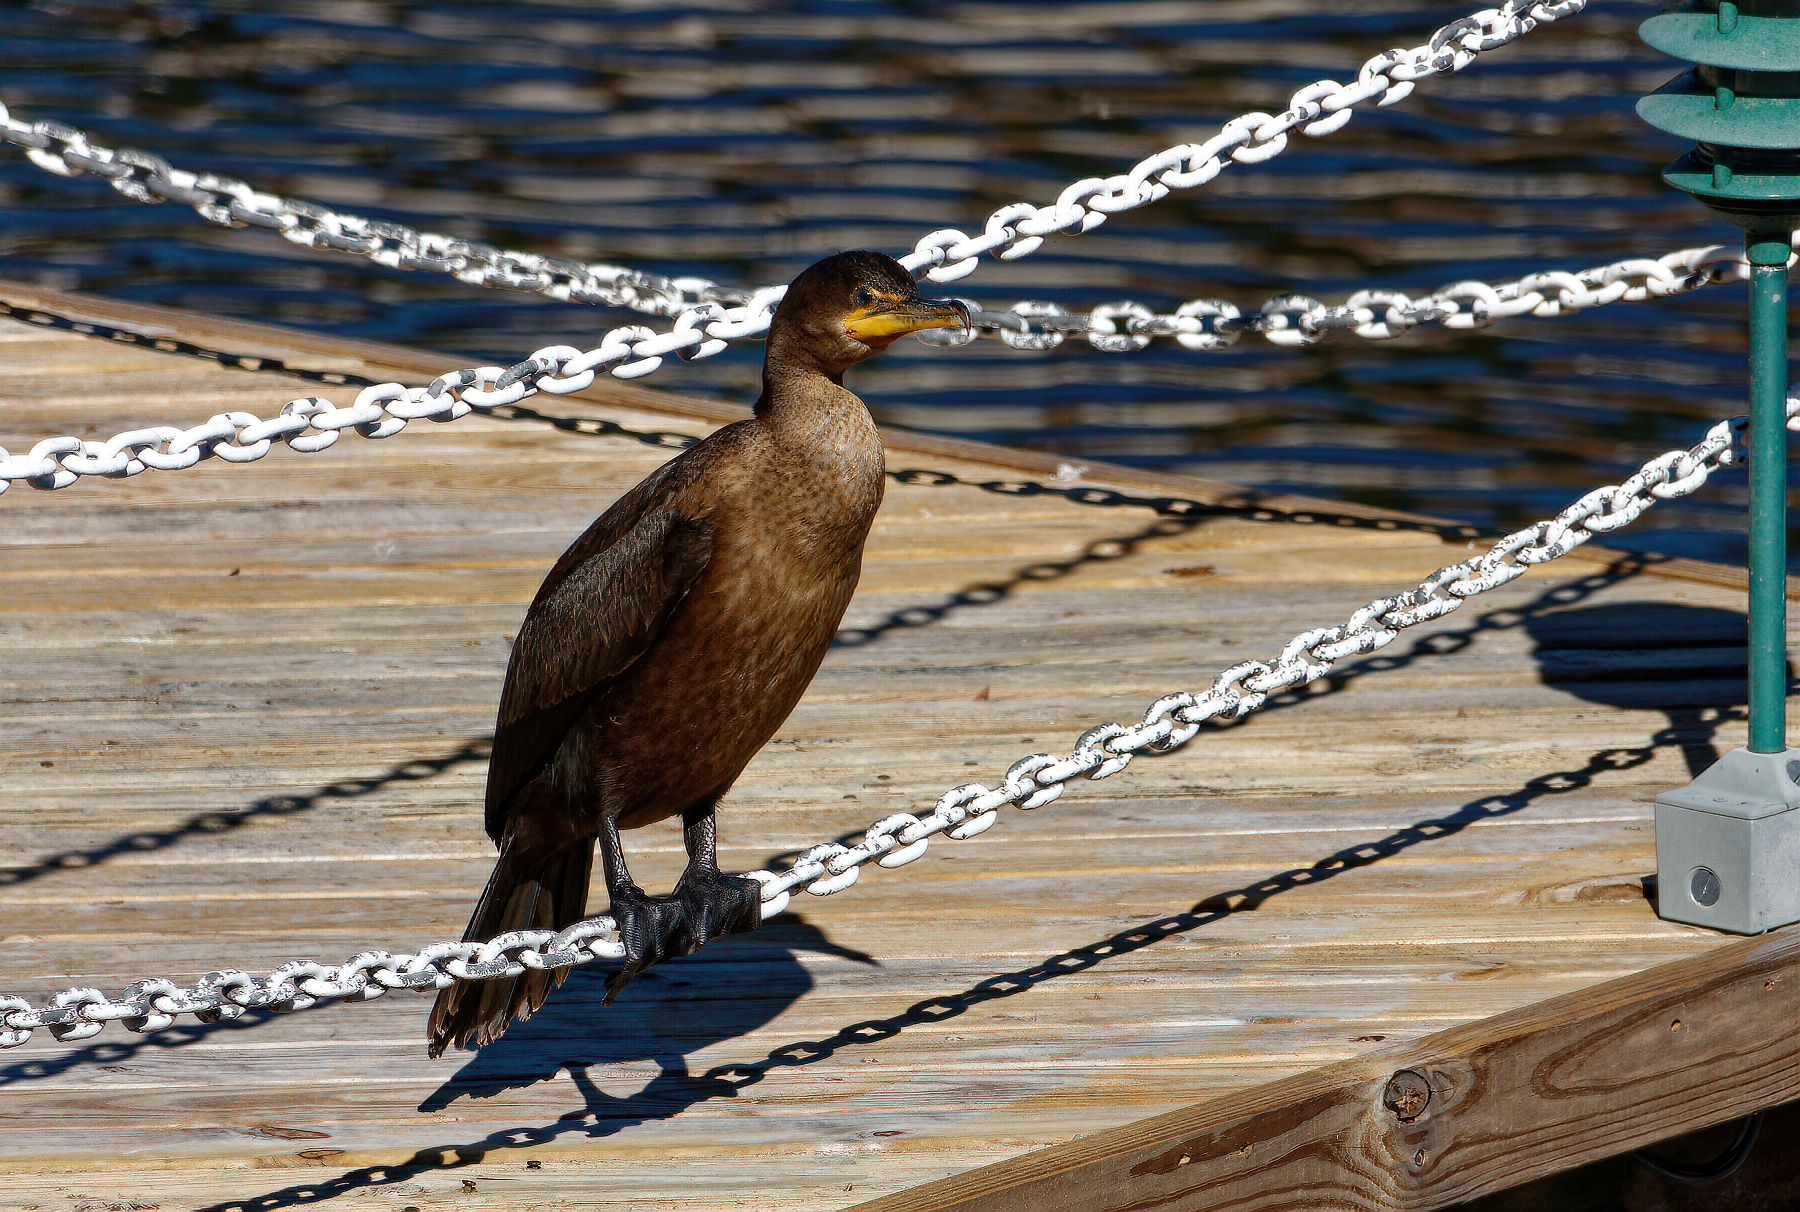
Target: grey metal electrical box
[1728, 844]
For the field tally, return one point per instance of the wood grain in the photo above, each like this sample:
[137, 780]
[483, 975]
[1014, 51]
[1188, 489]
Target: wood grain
[243, 718]
[297, 348]
[1461, 1113]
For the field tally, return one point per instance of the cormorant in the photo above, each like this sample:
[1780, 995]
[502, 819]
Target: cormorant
[672, 639]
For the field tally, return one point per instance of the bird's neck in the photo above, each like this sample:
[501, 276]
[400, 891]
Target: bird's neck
[799, 396]
[818, 430]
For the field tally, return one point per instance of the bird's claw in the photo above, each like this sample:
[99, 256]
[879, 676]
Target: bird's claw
[706, 905]
[718, 904]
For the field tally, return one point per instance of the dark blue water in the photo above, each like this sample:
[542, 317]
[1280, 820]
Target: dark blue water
[741, 140]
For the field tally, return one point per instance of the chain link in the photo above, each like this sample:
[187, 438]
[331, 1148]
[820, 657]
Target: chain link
[1204, 325]
[146, 177]
[152, 1004]
[380, 411]
[312, 423]
[708, 316]
[1319, 108]
[963, 812]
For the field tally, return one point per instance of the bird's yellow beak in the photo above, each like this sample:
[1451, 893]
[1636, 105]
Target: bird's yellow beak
[888, 318]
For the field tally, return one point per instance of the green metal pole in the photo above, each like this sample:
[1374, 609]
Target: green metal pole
[1768, 250]
[1726, 843]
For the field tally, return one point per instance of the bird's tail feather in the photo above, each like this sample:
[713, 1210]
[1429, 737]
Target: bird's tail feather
[526, 892]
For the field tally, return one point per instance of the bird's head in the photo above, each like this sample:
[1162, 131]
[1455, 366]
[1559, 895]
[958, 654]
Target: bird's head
[846, 308]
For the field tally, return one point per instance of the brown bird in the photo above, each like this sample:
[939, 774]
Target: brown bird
[673, 638]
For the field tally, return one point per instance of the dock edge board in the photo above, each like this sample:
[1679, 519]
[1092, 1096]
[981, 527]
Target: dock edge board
[1465, 1112]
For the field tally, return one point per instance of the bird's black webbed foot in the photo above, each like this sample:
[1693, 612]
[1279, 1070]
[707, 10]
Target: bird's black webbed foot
[652, 928]
[705, 906]
[718, 904]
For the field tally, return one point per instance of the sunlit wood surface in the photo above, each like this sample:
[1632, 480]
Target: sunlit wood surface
[245, 717]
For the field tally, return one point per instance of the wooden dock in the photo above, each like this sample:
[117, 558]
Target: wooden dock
[245, 717]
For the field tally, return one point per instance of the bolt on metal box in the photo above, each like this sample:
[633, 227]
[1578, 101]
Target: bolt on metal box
[1728, 844]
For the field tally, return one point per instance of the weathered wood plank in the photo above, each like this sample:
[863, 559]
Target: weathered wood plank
[1460, 1113]
[198, 769]
[348, 355]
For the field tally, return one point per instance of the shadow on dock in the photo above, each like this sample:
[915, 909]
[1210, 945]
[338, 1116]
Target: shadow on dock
[1573, 648]
[1689, 662]
[1177, 515]
[656, 1021]
[114, 1051]
[988, 593]
[210, 824]
[674, 1089]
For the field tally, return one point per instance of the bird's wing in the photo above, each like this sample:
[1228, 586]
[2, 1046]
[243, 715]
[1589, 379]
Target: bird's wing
[599, 610]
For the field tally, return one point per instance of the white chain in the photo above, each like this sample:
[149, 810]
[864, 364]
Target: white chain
[707, 315]
[146, 177]
[1318, 109]
[960, 813]
[1375, 315]
[313, 423]
[1120, 327]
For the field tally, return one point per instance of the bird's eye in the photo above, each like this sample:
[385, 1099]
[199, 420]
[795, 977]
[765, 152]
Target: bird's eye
[864, 296]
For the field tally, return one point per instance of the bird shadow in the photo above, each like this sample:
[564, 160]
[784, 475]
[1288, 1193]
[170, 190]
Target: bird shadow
[669, 1011]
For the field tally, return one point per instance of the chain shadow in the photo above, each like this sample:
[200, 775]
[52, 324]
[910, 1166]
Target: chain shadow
[39, 318]
[675, 1089]
[1438, 643]
[1248, 503]
[208, 824]
[111, 1054]
[988, 593]
[1178, 516]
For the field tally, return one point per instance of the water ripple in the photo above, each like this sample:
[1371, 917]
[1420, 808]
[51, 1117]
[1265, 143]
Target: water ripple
[741, 140]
